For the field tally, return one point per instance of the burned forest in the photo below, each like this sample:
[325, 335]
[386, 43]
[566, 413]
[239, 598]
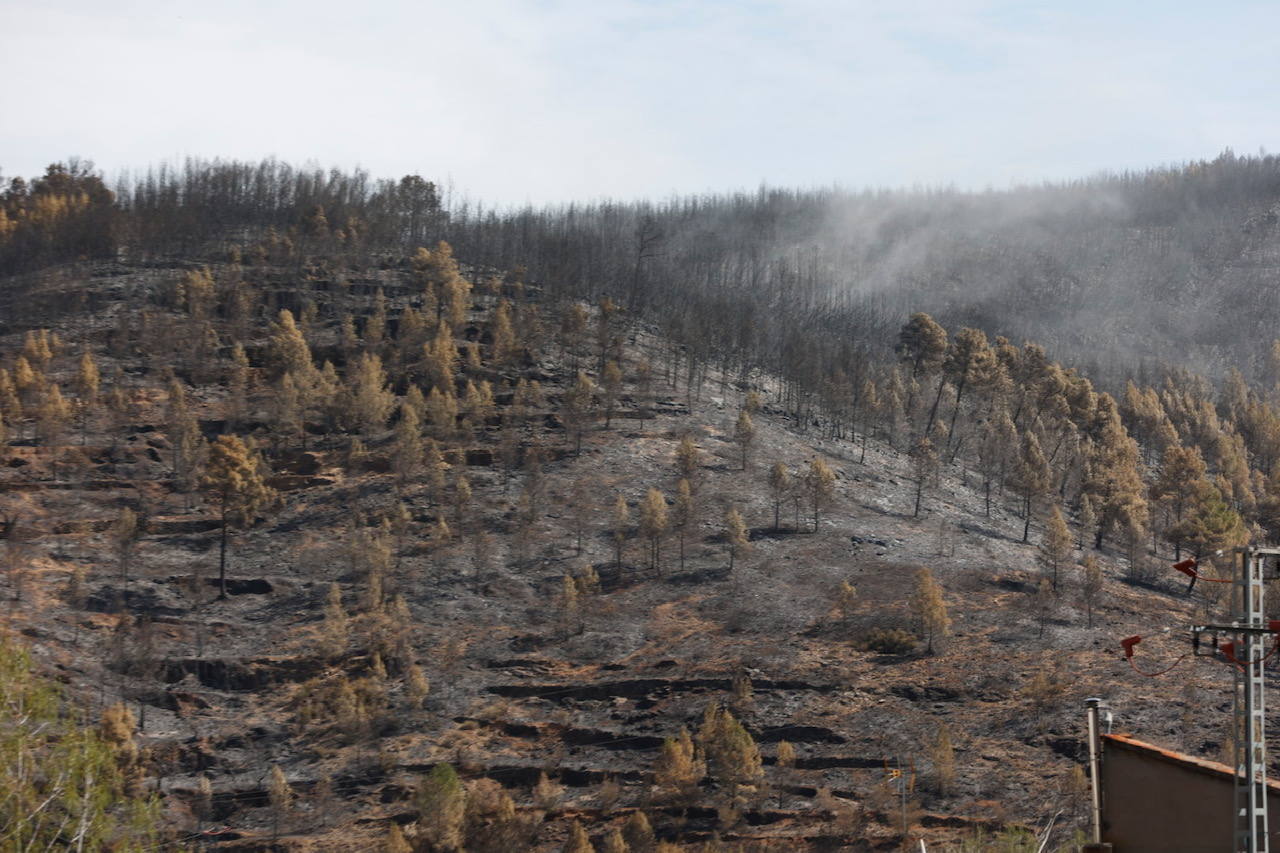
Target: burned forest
[340, 513]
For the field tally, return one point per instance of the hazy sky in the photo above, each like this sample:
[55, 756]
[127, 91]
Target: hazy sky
[550, 100]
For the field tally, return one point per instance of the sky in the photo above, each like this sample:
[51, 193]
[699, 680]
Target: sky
[546, 101]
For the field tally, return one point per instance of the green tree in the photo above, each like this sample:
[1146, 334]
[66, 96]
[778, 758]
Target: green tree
[442, 804]
[66, 786]
[234, 479]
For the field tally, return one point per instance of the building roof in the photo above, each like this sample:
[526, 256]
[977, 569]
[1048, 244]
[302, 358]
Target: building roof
[1181, 759]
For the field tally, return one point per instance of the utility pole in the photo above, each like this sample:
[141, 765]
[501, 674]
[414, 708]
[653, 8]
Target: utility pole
[1095, 776]
[1250, 634]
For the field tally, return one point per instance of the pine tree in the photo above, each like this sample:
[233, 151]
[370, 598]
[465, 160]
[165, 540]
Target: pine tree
[435, 469]
[615, 843]
[1055, 548]
[407, 450]
[943, 756]
[1090, 585]
[442, 804]
[930, 608]
[67, 785]
[1088, 520]
[417, 687]
[287, 408]
[234, 478]
[732, 755]
[442, 359]
[372, 401]
[289, 350]
[238, 378]
[924, 467]
[846, 601]
[1115, 480]
[1030, 478]
[281, 795]
[735, 534]
[504, 344]
[375, 328]
[682, 514]
[125, 533]
[779, 485]
[87, 383]
[53, 415]
[348, 338]
[998, 443]
[621, 522]
[395, 841]
[1042, 602]
[577, 409]
[477, 405]
[638, 833]
[611, 383]
[922, 345]
[442, 411]
[679, 770]
[820, 483]
[1178, 488]
[547, 795]
[335, 631]
[203, 806]
[970, 363]
[688, 460]
[786, 758]
[744, 433]
[653, 524]
[578, 842]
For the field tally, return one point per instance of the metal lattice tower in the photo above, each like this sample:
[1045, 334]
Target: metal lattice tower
[1250, 690]
[1250, 635]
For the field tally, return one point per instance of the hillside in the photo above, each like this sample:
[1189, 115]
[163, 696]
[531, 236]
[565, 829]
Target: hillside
[543, 656]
